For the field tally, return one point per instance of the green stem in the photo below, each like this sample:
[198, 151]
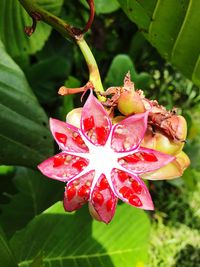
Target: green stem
[68, 31]
[94, 75]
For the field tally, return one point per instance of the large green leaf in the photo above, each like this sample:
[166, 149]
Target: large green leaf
[13, 19]
[74, 240]
[35, 194]
[6, 256]
[24, 137]
[172, 26]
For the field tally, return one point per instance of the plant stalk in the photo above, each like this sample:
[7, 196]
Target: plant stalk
[67, 31]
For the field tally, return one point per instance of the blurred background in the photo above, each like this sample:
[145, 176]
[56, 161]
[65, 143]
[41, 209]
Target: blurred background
[159, 44]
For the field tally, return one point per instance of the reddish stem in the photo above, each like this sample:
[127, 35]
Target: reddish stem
[91, 18]
[69, 91]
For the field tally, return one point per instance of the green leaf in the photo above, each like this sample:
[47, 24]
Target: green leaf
[13, 19]
[103, 6]
[74, 240]
[119, 67]
[35, 194]
[172, 27]
[24, 137]
[7, 258]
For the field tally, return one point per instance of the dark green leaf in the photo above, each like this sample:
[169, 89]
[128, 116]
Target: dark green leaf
[172, 27]
[13, 19]
[35, 194]
[24, 137]
[71, 239]
[120, 65]
[7, 258]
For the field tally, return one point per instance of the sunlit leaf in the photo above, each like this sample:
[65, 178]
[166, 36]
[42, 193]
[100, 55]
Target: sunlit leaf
[75, 240]
[172, 27]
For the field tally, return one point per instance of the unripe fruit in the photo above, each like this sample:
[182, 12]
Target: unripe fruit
[162, 143]
[74, 117]
[130, 102]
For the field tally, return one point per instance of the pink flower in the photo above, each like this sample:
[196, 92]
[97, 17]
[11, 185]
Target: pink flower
[102, 162]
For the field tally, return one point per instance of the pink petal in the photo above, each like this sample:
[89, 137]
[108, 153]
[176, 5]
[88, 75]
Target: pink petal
[103, 200]
[128, 133]
[131, 189]
[95, 122]
[63, 166]
[77, 192]
[67, 136]
[145, 160]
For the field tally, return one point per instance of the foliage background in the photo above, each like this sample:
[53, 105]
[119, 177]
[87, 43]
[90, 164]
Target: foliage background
[159, 44]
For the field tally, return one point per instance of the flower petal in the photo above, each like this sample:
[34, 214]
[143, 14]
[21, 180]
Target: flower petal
[145, 160]
[128, 134]
[63, 166]
[95, 122]
[131, 189]
[67, 136]
[172, 170]
[103, 200]
[77, 192]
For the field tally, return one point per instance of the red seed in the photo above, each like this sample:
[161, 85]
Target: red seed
[79, 164]
[98, 198]
[88, 123]
[135, 201]
[62, 138]
[103, 184]
[137, 188]
[149, 157]
[78, 140]
[109, 204]
[84, 192]
[101, 134]
[123, 176]
[59, 160]
[126, 192]
[132, 158]
[71, 192]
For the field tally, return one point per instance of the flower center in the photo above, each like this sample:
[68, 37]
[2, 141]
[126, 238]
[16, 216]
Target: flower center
[103, 160]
